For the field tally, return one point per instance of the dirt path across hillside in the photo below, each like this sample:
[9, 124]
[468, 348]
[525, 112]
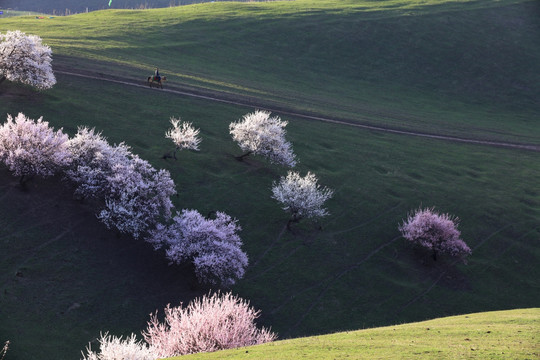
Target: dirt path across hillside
[238, 100]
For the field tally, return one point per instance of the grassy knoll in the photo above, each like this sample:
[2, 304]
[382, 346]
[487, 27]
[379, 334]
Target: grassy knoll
[466, 68]
[492, 335]
[64, 278]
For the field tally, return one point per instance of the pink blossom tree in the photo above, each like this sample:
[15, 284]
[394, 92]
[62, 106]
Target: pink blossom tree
[183, 135]
[258, 133]
[116, 348]
[25, 59]
[435, 232]
[212, 245]
[301, 196]
[30, 148]
[211, 323]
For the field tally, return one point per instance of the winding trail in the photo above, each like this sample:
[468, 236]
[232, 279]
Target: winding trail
[240, 102]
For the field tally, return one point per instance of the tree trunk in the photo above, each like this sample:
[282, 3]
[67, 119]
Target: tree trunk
[2, 79]
[434, 255]
[294, 219]
[241, 157]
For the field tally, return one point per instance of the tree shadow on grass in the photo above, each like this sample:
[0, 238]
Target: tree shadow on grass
[445, 270]
[64, 277]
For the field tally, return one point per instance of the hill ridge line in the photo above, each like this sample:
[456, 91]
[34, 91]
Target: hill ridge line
[529, 147]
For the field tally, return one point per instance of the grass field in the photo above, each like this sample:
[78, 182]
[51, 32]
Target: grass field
[494, 335]
[64, 277]
[462, 68]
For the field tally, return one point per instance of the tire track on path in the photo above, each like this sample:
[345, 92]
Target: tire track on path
[239, 102]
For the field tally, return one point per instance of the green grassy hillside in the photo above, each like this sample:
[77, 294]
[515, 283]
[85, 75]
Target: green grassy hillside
[65, 7]
[461, 68]
[494, 335]
[357, 272]
[64, 278]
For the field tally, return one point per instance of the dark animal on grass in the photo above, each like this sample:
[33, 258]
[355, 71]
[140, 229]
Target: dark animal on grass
[159, 82]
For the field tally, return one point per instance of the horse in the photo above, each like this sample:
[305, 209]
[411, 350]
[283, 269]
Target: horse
[152, 79]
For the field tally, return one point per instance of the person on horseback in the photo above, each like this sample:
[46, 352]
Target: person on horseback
[157, 77]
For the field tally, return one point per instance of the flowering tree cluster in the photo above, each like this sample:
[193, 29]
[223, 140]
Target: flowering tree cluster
[301, 196]
[436, 232]
[23, 58]
[183, 135]
[258, 133]
[211, 323]
[135, 195]
[30, 148]
[116, 348]
[212, 245]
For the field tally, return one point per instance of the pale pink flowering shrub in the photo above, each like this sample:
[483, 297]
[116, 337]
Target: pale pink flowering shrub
[184, 135]
[116, 348]
[212, 245]
[211, 323]
[436, 232]
[25, 59]
[30, 147]
[301, 196]
[258, 133]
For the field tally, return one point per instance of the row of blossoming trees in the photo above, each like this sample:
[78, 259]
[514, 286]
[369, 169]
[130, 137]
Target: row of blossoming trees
[134, 198]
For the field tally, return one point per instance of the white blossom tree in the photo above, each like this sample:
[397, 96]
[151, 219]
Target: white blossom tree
[212, 245]
[435, 232]
[183, 135]
[137, 197]
[31, 148]
[23, 58]
[258, 133]
[116, 348]
[93, 162]
[211, 323]
[301, 196]
[134, 195]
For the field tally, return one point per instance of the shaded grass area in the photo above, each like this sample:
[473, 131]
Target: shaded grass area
[353, 273]
[458, 68]
[64, 277]
[493, 335]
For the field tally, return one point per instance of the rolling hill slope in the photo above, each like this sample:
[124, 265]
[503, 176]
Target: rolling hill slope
[458, 68]
[494, 335]
[399, 64]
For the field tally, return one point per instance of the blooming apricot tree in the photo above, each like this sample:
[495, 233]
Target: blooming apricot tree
[210, 323]
[436, 232]
[135, 196]
[258, 133]
[184, 135]
[115, 348]
[25, 59]
[213, 245]
[301, 196]
[93, 162]
[30, 147]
